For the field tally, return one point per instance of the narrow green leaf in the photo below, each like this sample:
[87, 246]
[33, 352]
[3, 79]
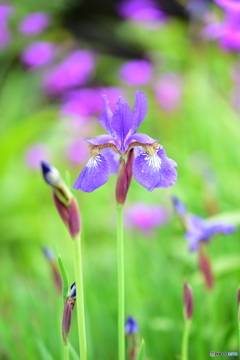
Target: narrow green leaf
[141, 354]
[64, 278]
[73, 352]
[45, 355]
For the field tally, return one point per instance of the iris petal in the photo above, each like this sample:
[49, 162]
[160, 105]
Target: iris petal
[94, 174]
[139, 110]
[105, 119]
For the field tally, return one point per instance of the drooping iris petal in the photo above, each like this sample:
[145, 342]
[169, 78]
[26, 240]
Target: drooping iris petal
[113, 159]
[153, 171]
[122, 121]
[93, 175]
[139, 109]
[105, 118]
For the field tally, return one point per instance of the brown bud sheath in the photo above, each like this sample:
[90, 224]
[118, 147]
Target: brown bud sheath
[69, 215]
[205, 268]
[124, 178]
[67, 318]
[187, 301]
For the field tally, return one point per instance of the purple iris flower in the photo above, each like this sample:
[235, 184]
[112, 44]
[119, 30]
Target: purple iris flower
[151, 167]
[202, 230]
[34, 23]
[137, 72]
[131, 326]
[38, 54]
[143, 10]
[73, 71]
[168, 91]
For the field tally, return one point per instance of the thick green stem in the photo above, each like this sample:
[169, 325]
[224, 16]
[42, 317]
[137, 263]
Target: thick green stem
[80, 297]
[185, 340]
[66, 351]
[121, 312]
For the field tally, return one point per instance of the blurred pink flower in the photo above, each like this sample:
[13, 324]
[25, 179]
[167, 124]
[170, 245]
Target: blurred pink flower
[143, 10]
[35, 154]
[5, 12]
[77, 152]
[75, 70]
[5, 35]
[38, 54]
[145, 217]
[86, 102]
[34, 23]
[136, 72]
[168, 91]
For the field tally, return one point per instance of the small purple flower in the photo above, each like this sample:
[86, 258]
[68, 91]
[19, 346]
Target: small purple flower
[73, 71]
[141, 10]
[136, 72]
[179, 206]
[146, 217]
[202, 230]
[38, 54]
[35, 154]
[151, 167]
[34, 23]
[76, 152]
[168, 91]
[131, 326]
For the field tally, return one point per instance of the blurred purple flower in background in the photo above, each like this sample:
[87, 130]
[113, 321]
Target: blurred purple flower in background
[168, 91]
[151, 167]
[34, 23]
[202, 230]
[5, 35]
[75, 70]
[141, 10]
[228, 32]
[76, 152]
[136, 72]
[35, 154]
[38, 54]
[86, 102]
[145, 217]
[131, 326]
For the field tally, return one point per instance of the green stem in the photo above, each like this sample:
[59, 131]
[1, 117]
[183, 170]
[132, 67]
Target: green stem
[185, 340]
[79, 297]
[66, 351]
[120, 257]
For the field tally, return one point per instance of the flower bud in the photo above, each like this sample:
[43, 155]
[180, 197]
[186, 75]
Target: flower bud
[131, 326]
[69, 215]
[187, 301]
[124, 178]
[131, 330]
[205, 268]
[64, 201]
[67, 317]
[57, 279]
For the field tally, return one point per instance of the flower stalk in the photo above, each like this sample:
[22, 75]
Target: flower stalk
[188, 311]
[120, 265]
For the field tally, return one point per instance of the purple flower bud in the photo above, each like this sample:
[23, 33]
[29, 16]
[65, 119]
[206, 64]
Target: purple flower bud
[51, 174]
[34, 23]
[72, 292]
[187, 301]
[67, 318]
[205, 268]
[131, 326]
[69, 214]
[137, 72]
[124, 178]
[38, 54]
[179, 206]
